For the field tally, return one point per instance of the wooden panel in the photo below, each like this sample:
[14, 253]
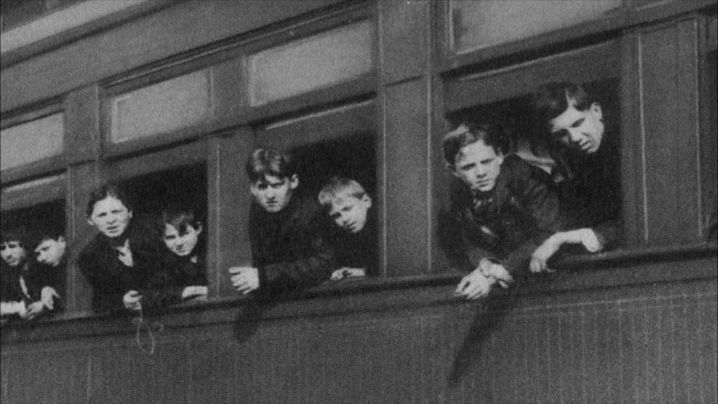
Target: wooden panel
[173, 30]
[32, 141]
[406, 133]
[670, 132]
[83, 179]
[229, 202]
[632, 163]
[82, 124]
[405, 38]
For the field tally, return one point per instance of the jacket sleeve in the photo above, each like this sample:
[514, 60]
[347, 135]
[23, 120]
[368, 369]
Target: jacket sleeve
[452, 241]
[541, 204]
[105, 297]
[314, 262]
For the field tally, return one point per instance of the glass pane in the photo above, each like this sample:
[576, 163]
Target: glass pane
[481, 23]
[161, 108]
[31, 141]
[311, 63]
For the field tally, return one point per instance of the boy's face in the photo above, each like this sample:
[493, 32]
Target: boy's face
[478, 166]
[579, 130]
[50, 251]
[182, 244]
[274, 193]
[110, 216]
[13, 253]
[350, 213]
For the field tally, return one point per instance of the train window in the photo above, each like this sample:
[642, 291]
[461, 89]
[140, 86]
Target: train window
[34, 243]
[483, 23]
[160, 108]
[186, 186]
[337, 143]
[312, 63]
[32, 141]
[586, 178]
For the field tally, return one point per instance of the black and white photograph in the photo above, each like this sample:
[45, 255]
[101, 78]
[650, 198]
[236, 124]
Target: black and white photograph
[358, 201]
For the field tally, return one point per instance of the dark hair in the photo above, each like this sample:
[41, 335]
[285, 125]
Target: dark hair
[179, 218]
[468, 133]
[104, 191]
[19, 234]
[49, 233]
[551, 99]
[264, 162]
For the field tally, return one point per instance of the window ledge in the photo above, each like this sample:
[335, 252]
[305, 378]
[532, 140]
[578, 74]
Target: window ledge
[577, 273]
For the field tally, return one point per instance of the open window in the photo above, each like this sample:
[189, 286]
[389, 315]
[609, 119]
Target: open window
[337, 142]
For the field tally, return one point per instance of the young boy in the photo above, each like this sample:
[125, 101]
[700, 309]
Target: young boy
[287, 232]
[586, 172]
[354, 239]
[48, 276]
[501, 210]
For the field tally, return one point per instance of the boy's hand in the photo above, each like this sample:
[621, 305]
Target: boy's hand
[244, 279]
[474, 285]
[496, 271]
[47, 297]
[589, 240]
[33, 310]
[131, 300]
[347, 272]
[543, 253]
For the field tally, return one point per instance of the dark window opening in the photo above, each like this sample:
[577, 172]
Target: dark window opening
[41, 229]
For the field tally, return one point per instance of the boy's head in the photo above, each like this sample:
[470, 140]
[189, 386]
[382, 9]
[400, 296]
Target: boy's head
[51, 248]
[474, 153]
[571, 117]
[13, 246]
[347, 203]
[273, 178]
[180, 230]
[109, 211]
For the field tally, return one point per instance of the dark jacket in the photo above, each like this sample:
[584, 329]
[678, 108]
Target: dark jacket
[39, 276]
[10, 289]
[289, 247]
[357, 250]
[166, 286]
[508, 223]
[589, 189]
[109, 277]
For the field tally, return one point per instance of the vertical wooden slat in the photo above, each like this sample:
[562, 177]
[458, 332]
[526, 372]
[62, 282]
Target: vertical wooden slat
[670, 124]
[228, 208]
[82, 125]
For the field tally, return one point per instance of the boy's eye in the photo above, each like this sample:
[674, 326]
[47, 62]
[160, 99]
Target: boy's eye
[577, 123]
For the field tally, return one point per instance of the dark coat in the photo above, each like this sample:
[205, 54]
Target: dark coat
[357, 250]
[589, 189]
[10, 290]
[511, 222]
[289, 247]
[109, 277]
[166, 286]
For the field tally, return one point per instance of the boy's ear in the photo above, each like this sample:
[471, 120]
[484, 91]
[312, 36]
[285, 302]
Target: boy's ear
[199, 228]
[596, 110]
[367, 199]
[293, 181]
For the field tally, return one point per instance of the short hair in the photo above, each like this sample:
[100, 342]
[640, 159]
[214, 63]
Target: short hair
[49, 233]
[338, 188]
[19, 234]
[551, 99]
[468, 133]
[264, 162]
[179, 218]
[106, 190]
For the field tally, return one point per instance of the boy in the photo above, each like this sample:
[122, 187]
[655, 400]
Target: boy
[501, 209]
[287, 232]
[48, 276]
[348, 205]
[585, 172]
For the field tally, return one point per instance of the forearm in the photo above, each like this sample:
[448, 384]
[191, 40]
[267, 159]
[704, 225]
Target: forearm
[10, 308]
